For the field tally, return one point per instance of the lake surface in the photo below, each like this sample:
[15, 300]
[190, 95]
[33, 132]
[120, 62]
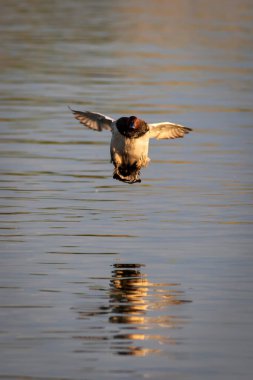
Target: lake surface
[104, 280]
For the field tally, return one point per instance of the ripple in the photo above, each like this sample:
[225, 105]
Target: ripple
[136, 308]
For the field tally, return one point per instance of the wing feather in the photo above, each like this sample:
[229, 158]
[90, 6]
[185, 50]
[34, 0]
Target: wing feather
[167, 130]
[93, 120]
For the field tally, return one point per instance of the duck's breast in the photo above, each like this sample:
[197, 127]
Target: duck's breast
[129, 150]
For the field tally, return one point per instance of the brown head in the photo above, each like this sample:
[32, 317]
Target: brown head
[132, 127]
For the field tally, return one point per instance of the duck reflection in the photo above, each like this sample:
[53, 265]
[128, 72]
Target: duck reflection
[140, 312]
[127, 294]
[135, 303]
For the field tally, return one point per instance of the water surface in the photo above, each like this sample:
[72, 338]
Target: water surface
[100, 279]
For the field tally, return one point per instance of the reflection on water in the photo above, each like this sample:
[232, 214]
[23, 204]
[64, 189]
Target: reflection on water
[141, 311]
[128, 294]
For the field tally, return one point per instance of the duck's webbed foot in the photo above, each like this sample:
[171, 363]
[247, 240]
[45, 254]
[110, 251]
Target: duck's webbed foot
[127, 173]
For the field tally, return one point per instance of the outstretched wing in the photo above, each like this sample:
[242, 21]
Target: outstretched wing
[92, 120]
[167, 130]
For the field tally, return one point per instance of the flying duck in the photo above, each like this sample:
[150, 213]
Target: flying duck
[130, 140]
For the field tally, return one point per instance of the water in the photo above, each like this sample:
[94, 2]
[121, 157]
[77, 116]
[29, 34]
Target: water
[101, 279]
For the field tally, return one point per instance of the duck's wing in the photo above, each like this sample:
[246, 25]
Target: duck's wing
[167, 130]
[94, 120]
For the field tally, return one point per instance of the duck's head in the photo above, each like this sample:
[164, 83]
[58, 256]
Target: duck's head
[131, 127]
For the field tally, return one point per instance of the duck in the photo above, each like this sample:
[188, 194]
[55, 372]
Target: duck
[130, 137]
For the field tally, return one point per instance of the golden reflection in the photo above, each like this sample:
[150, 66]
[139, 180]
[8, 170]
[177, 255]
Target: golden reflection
[134, 302]
[132, 295]
[127, 295]
[142, 314]
[137, 351]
